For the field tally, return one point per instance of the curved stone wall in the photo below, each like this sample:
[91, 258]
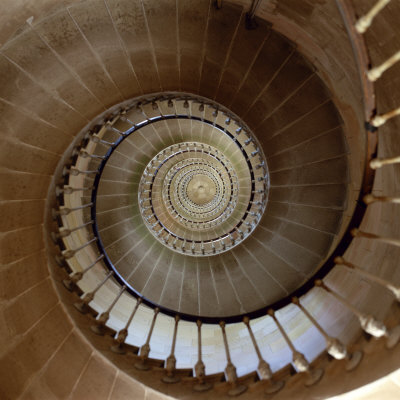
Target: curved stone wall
[56, 77]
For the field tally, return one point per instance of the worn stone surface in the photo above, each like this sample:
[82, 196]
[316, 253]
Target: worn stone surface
[50, 91]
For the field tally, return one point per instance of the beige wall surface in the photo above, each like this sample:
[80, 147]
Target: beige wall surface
[49, 93]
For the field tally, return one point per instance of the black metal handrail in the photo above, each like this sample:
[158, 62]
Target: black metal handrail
[328, 265]
[107, 261]
[334, 347]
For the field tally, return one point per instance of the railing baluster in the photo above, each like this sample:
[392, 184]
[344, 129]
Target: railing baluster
[75, 172]
[376, 72]
[111, 127]
[251, 23]
[145, 349]
[124, 119]
[99, 326]
[380, 162]
[379, 120]
[388, 285]
[119, 342]
[200, 368]
[67, 254]
[82, 305]
[64, 232]
[299, 361]
[365, 21]
[230, 369]
[357, 233]
[263, 368]
[334, 347]
[96, 139]
[85, 154]
[75, 277]
[369, 199]
[170, 362]
[65, 211]
[218, 4]
[368, 323]
[70, 190]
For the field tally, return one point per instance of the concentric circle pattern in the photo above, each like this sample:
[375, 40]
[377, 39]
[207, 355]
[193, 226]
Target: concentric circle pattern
[199, 187]
[191, 238]
[188, 195]
[178, 207]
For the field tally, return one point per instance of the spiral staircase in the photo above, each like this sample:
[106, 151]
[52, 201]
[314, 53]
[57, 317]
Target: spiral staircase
[199, 199]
